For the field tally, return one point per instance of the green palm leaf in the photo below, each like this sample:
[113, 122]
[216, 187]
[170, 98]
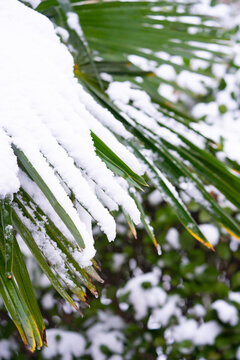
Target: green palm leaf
[128, 41]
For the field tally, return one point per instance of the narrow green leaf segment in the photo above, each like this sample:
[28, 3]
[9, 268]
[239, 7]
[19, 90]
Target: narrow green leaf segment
[31, 171]
[105, 152]
[6, 222]
[15, 285]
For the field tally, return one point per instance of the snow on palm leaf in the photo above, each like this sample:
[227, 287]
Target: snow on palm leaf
[49, 169]
[43, 116]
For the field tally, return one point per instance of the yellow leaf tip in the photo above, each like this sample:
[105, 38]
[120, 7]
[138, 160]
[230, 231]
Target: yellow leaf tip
[205, 243]
[230, 232]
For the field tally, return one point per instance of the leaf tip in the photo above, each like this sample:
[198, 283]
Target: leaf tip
[230, 232]
[205, 243]
[157, 246]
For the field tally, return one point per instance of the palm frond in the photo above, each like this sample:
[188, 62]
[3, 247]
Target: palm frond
[91, 148]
